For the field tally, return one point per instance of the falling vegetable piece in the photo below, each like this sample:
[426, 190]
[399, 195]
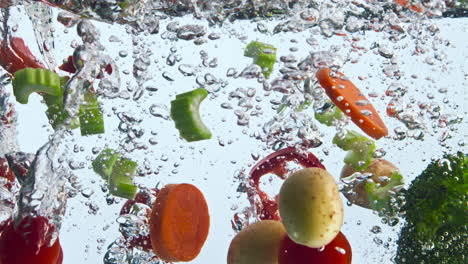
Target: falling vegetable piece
[27, 243]
[29, 80]
[380, 195]
[352, 102]
[118, 172]
[368, 188]
[179, 223]
[121, 179]
[257, 243]
[310, 207]
[276, 163]
[90, 114]
[186, 115]
[104, 163]
[337, 252]
[328, 114]
[264, 55]
[15, 56]
[360, 149]
[55, 110]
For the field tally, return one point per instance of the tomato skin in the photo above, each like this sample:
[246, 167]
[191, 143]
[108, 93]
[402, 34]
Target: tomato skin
[292, 253]
[15, 249]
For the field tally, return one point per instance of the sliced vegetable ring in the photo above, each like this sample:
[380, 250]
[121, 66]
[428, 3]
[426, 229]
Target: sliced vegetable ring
[186, 115]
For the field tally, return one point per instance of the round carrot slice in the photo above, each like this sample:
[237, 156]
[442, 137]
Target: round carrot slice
[179, 223]
[352, 102]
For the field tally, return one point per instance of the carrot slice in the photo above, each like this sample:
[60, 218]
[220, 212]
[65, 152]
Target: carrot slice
[179, 223]
[352, 102]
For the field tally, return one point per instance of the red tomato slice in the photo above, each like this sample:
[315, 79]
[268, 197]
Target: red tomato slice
[337, 252]
[15, 249]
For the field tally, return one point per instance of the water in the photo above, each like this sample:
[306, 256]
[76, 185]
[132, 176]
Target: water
[398, 57]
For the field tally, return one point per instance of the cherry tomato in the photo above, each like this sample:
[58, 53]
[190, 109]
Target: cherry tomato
[16, 249]
[337, 252]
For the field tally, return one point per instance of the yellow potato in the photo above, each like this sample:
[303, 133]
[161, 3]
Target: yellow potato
[311, 207]
[257, 244]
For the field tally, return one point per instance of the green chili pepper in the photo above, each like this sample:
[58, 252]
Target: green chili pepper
[186, 116]
[29, 80]
[104, 163]
[360, 149]
[91, 117]
[328, 114]
[264, 55]
[379, 197]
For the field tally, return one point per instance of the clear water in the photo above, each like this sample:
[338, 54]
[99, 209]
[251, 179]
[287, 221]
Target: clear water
[410, 63]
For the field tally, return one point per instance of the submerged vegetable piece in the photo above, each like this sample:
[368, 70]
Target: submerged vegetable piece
[104, 162]
[380, 196]
[118, 172]
[310, 207]
[29, 80]
[121, 179]
[384, 180]
[436, 214]
[90, 114]
[257, 243]
[55, 110]
[15, 56]
[360, 149]
[276, 163]
[328, 114]
[264, 55]
[337, 252]
[185, 111]
[18, 246]
[352, 102]
[179, 223]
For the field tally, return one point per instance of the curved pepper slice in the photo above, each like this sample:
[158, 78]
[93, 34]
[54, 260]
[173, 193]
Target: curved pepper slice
[104, 162]
[15, 56]
[29, 80]
[276, 163]
[360, 149]
[185, 113]
[264, 55]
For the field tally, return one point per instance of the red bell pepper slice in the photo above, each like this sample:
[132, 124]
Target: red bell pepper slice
[15, 56]
[69, 67]
[276, 163]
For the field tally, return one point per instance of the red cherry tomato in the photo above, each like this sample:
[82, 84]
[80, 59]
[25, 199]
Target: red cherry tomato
[337, 252]
[16, 249]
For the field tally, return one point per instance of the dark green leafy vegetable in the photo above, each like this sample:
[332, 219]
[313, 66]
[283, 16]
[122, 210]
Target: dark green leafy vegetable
[186, 115]
[436, 214]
